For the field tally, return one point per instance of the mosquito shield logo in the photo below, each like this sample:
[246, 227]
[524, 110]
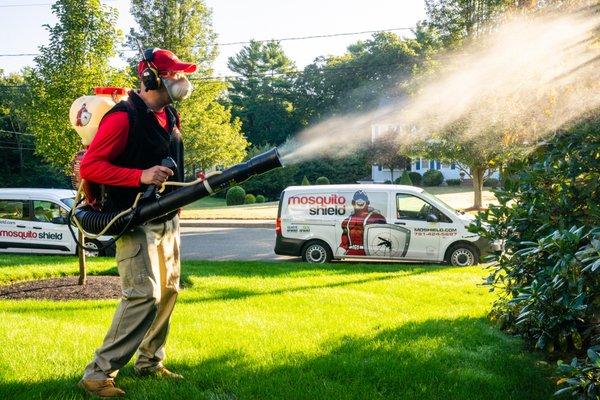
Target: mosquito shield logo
[332, 204]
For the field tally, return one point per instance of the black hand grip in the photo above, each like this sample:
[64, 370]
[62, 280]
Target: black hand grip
[166, 162]
[399, 223]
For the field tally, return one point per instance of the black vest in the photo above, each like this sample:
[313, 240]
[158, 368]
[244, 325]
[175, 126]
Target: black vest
[147, 145]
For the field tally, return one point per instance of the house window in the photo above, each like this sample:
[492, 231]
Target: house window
[418, 164]
[453, 165]
[438, 165]
[378, 167]
[431, 164]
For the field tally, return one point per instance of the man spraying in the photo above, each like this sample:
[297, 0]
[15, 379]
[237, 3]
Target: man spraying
[125, 158]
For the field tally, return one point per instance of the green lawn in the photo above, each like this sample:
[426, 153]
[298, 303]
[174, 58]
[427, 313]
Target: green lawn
[252, 330]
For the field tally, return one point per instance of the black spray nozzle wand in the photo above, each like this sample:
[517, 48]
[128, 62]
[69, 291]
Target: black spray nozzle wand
[238, 173]
[94, 221]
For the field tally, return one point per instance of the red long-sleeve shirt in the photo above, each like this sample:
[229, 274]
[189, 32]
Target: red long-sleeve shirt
[108, 144]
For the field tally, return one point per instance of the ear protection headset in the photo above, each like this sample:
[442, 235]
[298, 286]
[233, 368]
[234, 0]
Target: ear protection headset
[149, 75]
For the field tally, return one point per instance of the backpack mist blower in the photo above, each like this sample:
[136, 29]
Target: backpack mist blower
[86, 113]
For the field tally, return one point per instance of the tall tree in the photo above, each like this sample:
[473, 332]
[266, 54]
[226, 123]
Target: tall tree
[261, 97]
[184, 26]
[458, 19]
[74, 61]
[385, 151]
[370, 70]
[20, 166]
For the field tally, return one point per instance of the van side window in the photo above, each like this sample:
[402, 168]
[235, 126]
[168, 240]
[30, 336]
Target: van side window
[414, 208]
[47, 211]
[14, 209]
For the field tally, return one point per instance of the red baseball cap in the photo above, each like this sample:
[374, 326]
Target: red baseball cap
[165, 60]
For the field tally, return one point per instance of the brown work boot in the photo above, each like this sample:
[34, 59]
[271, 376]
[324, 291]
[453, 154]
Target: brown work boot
[158, 372]
[104, 388]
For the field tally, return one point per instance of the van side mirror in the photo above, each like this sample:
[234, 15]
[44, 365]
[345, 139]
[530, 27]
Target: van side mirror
[431, 218]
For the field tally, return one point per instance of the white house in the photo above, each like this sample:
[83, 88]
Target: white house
[380, 174]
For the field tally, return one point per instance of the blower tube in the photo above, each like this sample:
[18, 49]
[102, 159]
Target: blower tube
[93, 221]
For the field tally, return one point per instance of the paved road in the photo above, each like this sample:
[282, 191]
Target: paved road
[229, 244]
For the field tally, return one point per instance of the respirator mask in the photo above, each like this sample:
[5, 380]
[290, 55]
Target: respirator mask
[178, 87]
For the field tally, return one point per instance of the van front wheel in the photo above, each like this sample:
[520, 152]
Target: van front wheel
[462, 255]
[316, 251]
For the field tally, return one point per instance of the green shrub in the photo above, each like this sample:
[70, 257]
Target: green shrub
[416, 178]
[322, 180]
[491, 182]
[388, 182]
[260, 198]
[453, 182]
[404, 179]
[305, 181]
[432, 177]
[236, 195]
[249, 199]
[548, 271]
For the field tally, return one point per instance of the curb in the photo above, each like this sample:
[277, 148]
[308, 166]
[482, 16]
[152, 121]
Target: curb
[196, 223]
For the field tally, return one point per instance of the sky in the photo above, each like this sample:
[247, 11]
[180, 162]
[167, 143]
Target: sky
[22, 31]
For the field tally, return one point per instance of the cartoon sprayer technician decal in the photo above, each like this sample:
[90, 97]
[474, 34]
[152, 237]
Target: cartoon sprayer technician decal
[353, 227]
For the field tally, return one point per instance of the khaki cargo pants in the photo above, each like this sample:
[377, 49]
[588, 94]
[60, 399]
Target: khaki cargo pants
[148, 263]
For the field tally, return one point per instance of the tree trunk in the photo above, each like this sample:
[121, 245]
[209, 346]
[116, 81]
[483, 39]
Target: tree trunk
[82, 266]
[477, 174]
[392, 172]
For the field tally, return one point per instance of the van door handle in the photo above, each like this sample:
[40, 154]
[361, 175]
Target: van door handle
[399, 223]
[37, 227]
[21, 226]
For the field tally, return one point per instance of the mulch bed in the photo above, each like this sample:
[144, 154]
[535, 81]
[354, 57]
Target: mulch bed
[65, 288]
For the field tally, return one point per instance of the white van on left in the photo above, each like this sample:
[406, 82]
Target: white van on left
[34, 221]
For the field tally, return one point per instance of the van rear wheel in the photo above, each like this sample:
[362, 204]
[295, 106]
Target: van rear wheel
[316, 252]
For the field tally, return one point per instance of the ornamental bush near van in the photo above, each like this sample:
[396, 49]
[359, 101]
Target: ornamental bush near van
[236, 195]
[548, 275]
[432, 177]
[404, 179]
[322, 180]
[416, 178]
[453, 182]
[260, 198]
[305, 181]
[249, 199]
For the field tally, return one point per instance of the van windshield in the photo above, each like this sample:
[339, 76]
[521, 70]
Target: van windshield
[69, 201]
[433, 198]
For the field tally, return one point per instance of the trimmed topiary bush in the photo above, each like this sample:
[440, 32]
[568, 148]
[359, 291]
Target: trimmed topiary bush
[322, 180]
[453, 182]
[249, 199]
[404, 179]
[432, 177]
[236, 195]
[415, 178]
[260, 199]
[388, 182]
[305, 181]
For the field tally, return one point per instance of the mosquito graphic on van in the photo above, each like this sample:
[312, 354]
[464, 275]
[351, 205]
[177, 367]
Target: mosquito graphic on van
[393, 222]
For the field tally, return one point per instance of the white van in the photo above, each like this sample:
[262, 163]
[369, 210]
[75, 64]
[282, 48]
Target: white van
[34, 221]
[391, 222]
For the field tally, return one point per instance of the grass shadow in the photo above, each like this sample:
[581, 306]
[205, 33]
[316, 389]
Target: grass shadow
[434, 359]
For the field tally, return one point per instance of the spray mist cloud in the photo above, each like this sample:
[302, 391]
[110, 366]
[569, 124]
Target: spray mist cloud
[529, 77]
